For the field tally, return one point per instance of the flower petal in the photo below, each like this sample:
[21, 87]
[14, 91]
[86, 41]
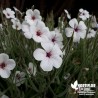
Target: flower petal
[36, 12]
[10, 64]
[56, 50]
[39, 54]
[82, 34]
[5, 73]
[3, 57]
[48, 46]
[69, 32]
[25, 27]
[73, 22]
[29, 12]
[57, 61]
[81, 10]
[28, 35]
[46, 65]
[76, 37]
[82, 26]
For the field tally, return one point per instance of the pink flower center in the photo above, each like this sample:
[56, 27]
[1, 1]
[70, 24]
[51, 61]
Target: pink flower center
[2, 65]
[76, 29]
[53, 39]
[48, 54]
[83, 13]
[38, 33]
[8, 14]
[33, 17]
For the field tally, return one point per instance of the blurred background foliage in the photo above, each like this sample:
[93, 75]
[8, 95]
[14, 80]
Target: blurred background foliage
[57, 6]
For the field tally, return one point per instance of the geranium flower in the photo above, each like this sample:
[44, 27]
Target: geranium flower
[78, 30]
[31, 69]
[4, 96]
[26, 30]
[32, 15]
[91, 33]
[54, 37]
[6, 65]
[49, 56]
[67, 13]
[19, 78]
[9, 13]
[16, 24]
[39, 31]
[83, 14]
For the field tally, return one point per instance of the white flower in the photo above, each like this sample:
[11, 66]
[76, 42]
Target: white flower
[32, 15]
[16, 24]
[31, 69]
[83, 14]
[78, 30]
[6, 65]
[49, 56]
[54, 37]
[26, 30]
[68, 15]
[19, 78]
[39, 31]
[4, 96]
[9, 13]
[91, 33]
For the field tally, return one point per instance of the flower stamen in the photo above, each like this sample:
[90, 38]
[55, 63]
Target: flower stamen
[38, 33]
[2, 65]
[48, 54]
[33, 17]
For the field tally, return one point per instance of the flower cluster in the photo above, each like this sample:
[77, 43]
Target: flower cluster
[43, 52]
[34, 28]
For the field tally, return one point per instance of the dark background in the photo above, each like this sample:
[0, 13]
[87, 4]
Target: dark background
[58, 6]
